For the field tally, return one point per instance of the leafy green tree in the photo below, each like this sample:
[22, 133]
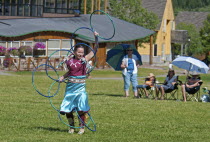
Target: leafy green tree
[129, 10]
[175, 49]
[194, 46]
[205, 37]
[132, 11]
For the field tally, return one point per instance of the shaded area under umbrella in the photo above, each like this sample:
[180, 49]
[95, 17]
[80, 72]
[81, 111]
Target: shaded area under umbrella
[116, 54]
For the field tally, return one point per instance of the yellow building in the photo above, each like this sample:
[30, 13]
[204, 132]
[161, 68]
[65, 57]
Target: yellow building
[161, 50]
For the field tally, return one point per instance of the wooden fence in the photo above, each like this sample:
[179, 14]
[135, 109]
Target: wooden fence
[28, 63]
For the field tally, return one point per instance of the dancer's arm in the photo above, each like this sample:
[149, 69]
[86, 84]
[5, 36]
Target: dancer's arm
[91, 54]
[63, 77]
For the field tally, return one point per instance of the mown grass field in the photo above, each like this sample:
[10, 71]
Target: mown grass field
[28, 117]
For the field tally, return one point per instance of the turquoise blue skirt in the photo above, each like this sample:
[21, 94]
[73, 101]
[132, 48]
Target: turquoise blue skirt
[75, 97]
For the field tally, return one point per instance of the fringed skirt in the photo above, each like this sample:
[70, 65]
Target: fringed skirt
[75, 95]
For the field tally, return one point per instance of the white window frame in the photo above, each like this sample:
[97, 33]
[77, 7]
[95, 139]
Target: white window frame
[60, 46]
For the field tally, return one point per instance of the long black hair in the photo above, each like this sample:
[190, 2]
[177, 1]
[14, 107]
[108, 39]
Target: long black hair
[169, 73]
[78, 46]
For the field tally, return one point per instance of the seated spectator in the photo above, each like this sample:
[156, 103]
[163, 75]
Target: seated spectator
[169, 83]
[192, 85]
[149, 82]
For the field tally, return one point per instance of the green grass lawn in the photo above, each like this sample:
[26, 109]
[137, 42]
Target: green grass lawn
[28, 117]
[108, 73]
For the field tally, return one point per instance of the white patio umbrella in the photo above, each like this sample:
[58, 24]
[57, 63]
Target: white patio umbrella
[190, 64]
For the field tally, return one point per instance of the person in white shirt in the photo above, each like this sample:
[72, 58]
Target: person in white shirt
[129, 65]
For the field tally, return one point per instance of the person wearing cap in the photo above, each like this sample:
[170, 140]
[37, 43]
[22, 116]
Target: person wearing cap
[169, 83]
[192, 85]
[129, 65]
[149, 82]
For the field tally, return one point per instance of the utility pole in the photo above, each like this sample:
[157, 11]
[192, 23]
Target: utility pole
[92, 5]
[151, 50]
[99, 5]
[85, 6]
[105, 5]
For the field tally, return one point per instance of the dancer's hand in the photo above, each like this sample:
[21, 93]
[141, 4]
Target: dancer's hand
[61, 79]
[96, 34]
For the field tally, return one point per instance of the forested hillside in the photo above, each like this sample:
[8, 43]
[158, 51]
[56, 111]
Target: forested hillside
[191, 5]
[199, 38]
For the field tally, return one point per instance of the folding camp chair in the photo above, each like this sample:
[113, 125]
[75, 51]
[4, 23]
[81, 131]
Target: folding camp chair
[142, 93]
[172, 93]
[194, 95]
[150, 90]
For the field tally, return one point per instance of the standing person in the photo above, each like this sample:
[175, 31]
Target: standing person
[169, 83]
[75, 94]
[129, 65]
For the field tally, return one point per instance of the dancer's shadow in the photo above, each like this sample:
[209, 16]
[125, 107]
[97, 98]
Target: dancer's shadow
[50, 129]
[112, 95]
